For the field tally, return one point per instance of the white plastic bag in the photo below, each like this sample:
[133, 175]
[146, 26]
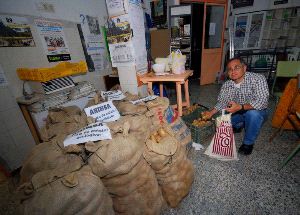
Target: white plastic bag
[222, 145]
[178, 62]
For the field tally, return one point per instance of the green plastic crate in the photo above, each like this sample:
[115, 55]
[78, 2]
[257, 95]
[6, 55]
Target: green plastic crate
[199, 134]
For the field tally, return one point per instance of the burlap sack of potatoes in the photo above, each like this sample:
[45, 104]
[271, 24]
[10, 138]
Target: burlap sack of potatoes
[51, 130]
[158, 155]
[79, 192]
[136, 192]
[140, 126]
[48, 156]
[116, 156]
[174, 172]
[130, 97]
[176, 178]
[62, 114]
[127, 108]
[179, 130]
[159, 101]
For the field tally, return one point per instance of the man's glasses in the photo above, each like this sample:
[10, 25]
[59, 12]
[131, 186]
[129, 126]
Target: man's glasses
[236, 68]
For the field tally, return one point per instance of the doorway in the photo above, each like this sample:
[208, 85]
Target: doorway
[212, 42]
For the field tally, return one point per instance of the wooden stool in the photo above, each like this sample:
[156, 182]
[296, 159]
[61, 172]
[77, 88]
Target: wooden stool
[179, 79]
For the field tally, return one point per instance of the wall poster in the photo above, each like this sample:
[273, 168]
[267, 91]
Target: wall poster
[15, 32]
[119, 37]
[93, 43]
[53, 40]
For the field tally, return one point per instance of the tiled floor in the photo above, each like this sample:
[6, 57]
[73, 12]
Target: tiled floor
[251, 185]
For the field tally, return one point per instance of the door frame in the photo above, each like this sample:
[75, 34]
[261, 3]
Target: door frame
[207, 51]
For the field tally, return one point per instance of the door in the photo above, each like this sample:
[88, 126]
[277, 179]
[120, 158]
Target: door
[212, 43]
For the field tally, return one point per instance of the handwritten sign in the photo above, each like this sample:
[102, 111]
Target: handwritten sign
[145, 99]
[104, 112]
[112, 95]
[93, 132]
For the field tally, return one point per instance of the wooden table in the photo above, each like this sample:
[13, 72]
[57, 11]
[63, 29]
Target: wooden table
[149, 78]
[23, 104]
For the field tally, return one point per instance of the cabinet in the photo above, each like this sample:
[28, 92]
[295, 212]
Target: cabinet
[248, 30]
[180, 25]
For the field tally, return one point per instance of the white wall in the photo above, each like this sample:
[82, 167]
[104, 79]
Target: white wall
[15, 138]
[68, 12]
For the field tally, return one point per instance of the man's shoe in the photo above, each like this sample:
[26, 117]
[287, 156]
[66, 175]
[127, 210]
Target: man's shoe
[237, 130]
[246, 149]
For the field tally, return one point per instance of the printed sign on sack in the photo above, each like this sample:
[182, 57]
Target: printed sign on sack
[112, 95]
[104, 112]
[93, 132]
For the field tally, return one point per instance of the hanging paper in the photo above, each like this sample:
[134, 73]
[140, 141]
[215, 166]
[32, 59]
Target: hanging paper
[53, 40]
[15, 31]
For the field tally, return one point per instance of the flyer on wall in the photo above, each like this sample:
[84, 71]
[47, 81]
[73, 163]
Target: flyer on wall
[53, 40]
[15, 32]
[92, 34]
[122, 54]
[116, 7]
[118, 29]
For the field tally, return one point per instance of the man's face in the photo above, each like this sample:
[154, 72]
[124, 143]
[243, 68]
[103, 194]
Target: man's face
[236, 71]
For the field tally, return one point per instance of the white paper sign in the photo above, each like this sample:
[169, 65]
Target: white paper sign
[104, 112]
[112, 95]
[148, 98]
[93, 132]
[212, 28]
[116, 7]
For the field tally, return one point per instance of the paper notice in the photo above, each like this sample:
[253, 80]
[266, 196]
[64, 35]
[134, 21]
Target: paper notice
[93, 132]
[146, 99]
[112, 95]
[212, 29]
[104, 112]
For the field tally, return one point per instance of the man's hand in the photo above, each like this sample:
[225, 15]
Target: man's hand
[206, 115]
[233, 107]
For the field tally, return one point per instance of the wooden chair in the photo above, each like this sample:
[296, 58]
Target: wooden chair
[284, 72]
[293, 116]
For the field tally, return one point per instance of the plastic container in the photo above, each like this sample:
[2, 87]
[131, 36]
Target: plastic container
[199, 134]
[159, 67]
[62, 69]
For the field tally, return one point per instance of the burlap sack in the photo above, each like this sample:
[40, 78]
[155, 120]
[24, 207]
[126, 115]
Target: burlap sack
[116, 156]
[174, 172]
[179, 130]
[140, 126]
[159, 101]
[136, 192]
[48, 156]
[62, 114]
[176, 178]
[80, 192]
[157, 108]
[130, 97]
[127, 108]
[51, 130]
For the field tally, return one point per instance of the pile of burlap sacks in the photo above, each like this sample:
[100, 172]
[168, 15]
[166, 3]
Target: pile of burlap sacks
[143, 167]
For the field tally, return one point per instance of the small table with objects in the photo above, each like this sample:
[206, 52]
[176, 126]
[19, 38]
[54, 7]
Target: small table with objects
[179, 79]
